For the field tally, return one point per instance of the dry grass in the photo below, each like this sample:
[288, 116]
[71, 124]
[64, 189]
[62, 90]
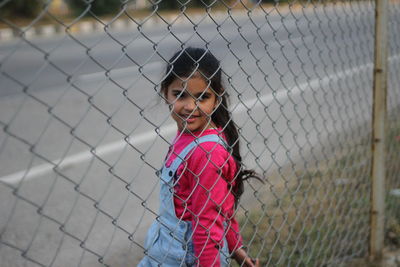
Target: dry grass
[321, 216]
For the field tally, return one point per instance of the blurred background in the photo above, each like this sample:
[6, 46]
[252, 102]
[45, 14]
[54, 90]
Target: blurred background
[84, 129]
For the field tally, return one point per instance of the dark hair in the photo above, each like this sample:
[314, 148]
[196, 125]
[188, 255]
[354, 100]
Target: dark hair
[184, 64]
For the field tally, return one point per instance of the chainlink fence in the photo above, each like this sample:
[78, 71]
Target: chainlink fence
[393, 181]
[84, 129]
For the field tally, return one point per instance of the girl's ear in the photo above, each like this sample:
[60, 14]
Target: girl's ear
[168, 104]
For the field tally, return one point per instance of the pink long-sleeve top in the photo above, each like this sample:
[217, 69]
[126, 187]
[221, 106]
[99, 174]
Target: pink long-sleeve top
[203, 195]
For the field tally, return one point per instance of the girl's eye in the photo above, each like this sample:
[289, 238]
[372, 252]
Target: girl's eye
[203, 97]
[178, 94]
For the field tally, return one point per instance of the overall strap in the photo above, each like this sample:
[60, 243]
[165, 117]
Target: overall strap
[206, 138]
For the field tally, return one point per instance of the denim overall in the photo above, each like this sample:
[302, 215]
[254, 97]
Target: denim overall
[169, 240]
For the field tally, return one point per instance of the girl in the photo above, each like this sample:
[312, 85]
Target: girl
[202, 178]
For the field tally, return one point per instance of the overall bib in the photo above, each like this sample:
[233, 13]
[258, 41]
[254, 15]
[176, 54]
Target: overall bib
[168, 242]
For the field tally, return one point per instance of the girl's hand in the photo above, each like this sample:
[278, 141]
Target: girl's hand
[243, 259]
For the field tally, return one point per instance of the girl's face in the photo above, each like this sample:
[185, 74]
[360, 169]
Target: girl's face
[192, 102]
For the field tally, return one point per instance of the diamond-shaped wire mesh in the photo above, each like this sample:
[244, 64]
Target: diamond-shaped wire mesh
[85, 128]
[393, 136]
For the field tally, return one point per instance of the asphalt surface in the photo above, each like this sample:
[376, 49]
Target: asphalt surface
[92, 109]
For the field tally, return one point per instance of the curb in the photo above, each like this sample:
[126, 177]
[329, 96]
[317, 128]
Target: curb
[86, 27]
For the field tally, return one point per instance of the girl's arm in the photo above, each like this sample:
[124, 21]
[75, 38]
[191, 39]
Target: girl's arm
[243, 259]
[235, 244]
[233, 236]
[210, 199]
[212, 206]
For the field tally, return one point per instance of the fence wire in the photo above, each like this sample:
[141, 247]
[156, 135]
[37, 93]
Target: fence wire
[393, 198]
[84, 127]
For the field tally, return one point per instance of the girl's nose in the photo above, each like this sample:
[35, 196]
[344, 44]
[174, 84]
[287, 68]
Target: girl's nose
[190, 104]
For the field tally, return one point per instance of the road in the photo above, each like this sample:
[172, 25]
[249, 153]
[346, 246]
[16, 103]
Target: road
[79, 149]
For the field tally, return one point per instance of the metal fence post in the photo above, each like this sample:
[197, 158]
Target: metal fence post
[378, 135]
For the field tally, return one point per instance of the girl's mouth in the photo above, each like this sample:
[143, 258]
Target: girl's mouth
[190, 119]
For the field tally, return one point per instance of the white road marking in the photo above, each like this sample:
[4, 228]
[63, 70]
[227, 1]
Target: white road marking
[117, 73]
[148, 67]
[84, 156]
[283, 93]
[266, 99]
